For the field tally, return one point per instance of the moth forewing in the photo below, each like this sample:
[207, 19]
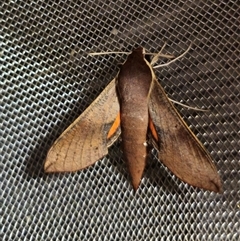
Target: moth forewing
[179, 149]
[85, 141]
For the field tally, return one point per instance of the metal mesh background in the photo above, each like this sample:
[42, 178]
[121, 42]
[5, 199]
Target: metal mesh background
[47, 80]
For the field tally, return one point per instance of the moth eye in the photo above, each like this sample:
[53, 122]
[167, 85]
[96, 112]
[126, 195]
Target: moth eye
[145, 143]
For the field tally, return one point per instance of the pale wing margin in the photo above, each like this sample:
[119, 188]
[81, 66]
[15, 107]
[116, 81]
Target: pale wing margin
[179, 149]
[85, 141]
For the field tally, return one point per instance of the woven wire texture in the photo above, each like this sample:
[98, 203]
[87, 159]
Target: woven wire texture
[48, 79]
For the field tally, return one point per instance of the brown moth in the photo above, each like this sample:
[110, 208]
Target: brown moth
[134, 104]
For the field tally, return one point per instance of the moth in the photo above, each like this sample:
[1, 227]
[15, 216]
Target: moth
[135, 106]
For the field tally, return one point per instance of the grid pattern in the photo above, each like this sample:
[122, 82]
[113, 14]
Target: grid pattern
[48, 79]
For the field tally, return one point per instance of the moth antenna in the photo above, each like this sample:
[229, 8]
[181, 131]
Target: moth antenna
[156, 57]
[103, 53]
[180, 56]
[168, 56]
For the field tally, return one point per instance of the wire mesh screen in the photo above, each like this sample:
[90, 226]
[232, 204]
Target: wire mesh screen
[48, 79]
